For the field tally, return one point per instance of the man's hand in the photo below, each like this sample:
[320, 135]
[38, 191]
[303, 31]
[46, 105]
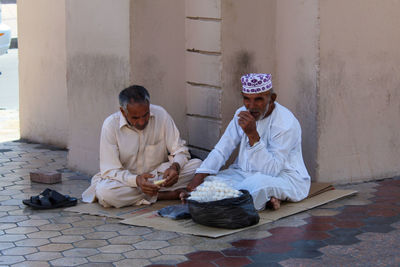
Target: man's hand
[248, 124]
[171, 175]
[196, 181]
[147, 187]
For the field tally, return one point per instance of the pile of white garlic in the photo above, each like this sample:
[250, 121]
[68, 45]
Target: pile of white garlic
[212, 191]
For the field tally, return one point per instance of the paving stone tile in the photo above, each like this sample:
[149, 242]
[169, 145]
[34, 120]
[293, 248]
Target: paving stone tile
[21, 230]
[343, 237]
[19, 251]
[34, 242]
[168, 259]
[186, 240]
[43, 256]
[323, 212]
[142, 253]
[31, 264]
[94, 218]
[377, 228]
[14, 202]
[33, 222]
[4, 198]
[44, 215]
[20, 212]
[132, 239]
[91, 243]
[197, 264]
[97, 264]
[6, 245]
[131, 262]
[44, 234]
[101, 235]
[55, 247]
[348, 224]
[181, 250]
[160, 235]
[4, 226]
[251, 234]
[80, 252]
[68, 261]
[213, 246]
[248, 243]
[135, 231]
[67, 219]
[8, 260]
[106, 257]
[77, 231]
[7, 208]
[87, 223]
[205, 255]
[11, 238]
[66, 239]
[112, 227]
[116, 248]
[151, 244]
[13, 219]
[54, 227]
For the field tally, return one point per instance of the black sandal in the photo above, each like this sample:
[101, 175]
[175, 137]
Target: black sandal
[50, 199]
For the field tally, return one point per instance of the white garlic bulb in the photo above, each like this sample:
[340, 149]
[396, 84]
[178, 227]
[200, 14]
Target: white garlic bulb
[212, 191]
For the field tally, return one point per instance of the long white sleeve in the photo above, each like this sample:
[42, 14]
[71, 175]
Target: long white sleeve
[223, 149]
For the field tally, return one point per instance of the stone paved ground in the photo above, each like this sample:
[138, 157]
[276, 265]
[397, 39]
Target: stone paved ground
[363, 230]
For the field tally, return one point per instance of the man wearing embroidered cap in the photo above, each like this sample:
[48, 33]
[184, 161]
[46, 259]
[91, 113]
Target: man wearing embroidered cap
[270, 163]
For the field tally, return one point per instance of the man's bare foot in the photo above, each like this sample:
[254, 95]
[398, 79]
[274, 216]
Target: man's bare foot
[171, 195]
[274, 203]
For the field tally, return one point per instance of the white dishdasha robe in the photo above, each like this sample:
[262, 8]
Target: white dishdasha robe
[273, 167]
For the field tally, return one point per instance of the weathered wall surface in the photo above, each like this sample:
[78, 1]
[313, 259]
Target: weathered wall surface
[248, 45]
[42, 66]
[296, 79]
[338, 76]
[158, 54]
[359, 94]
[203, 74]
[98, 69]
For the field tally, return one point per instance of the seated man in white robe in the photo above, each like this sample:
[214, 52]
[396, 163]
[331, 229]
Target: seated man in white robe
[139, 144]
[270, 163]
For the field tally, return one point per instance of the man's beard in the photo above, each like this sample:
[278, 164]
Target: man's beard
[262, 115]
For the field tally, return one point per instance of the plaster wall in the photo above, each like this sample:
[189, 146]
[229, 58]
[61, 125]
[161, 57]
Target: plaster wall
[297, 64]
[158, 54]
[98, 68]
[248, 43]
[42, 66]
[359, 97]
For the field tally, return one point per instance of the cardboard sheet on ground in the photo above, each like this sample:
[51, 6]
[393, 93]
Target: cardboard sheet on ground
[320, 193]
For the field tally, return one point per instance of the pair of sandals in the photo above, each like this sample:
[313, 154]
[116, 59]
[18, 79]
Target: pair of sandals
[50, 199]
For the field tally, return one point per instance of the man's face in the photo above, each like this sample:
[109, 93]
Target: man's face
[137, 115]
[256, 104]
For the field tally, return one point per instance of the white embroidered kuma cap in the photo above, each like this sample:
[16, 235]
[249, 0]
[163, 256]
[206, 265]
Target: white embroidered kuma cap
[254, 83]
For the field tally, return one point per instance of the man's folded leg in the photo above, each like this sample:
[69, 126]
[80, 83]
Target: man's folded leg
[112, 193]
[185, 176]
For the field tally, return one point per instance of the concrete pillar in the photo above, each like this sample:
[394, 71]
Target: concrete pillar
[98, 68]
[203, 74]
[42, 72]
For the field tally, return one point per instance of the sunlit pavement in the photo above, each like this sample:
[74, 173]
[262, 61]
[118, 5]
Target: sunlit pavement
[362, 230]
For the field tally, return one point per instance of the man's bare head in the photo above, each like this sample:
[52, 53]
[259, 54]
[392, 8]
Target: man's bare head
[135, 106]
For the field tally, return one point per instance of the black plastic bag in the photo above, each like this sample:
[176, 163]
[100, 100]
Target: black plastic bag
[176, 212]
[230, 213]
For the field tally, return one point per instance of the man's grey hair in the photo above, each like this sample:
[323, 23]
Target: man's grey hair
[133, 94]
